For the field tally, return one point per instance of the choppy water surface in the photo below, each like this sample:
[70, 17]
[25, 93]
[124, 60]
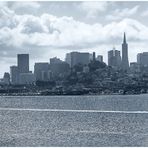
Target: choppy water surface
[29, 121]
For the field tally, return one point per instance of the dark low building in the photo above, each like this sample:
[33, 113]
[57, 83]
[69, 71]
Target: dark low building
[42, 71]
[59, 68]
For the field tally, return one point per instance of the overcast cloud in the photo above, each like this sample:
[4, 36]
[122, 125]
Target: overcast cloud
[48, 29]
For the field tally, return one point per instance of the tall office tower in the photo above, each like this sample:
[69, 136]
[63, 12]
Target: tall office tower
[94, 56]
[114, 58]
[74, 58]
[6, 78]
[99, 58]
[14, 75]
[125, 62]
[142, 59]
[23, 63]
[68, 59]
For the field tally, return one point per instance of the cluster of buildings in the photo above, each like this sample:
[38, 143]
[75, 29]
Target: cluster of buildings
[114, 57]
[115, 60]
[47, 71]
[44, 71]
[20, 74]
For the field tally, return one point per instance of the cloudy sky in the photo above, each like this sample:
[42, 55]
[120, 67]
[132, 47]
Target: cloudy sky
[49, 29]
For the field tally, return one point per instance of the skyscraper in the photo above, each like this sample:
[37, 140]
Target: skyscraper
[114, 58]
[74, 58]
[94, 56]
[41, 71]
[14, 75]
[99, 58]
[125, 62]
[142, 59]
[23, 63]
[6, 78]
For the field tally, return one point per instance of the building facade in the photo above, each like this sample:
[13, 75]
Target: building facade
[6, 78]
[23, 63]
[142, 59]
[114, 58]
[75, 58]
[94, 56]
[134, 67]
[14, 75]
[59, 68]
[41, 71]
[99, 58]
[55, 60]
[26, 78]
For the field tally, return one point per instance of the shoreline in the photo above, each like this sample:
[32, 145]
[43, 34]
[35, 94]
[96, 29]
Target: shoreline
[39, 95]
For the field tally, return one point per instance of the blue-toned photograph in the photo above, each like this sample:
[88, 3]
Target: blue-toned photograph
[73, 74]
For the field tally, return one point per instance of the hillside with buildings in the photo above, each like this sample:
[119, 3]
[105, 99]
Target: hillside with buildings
[80, 73]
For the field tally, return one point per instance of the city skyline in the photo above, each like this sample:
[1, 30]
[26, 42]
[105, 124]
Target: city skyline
[45, 31]
[23, 64]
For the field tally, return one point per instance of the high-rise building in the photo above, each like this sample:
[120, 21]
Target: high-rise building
[23, 63]
[41, 71]
[94, 56]
[125, 62]
[142, 59]
[14, 75]
[114, 58]
[99, 58]
[6, 78]
[75, 58]
[59, 68]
